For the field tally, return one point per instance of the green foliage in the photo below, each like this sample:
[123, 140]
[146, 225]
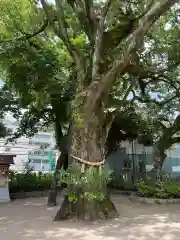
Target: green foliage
[27, 182]
[18, 15]
[34, 69]
[78, 119]
[158, 190]
[90, 185]
[145, 189]
[130, 125]
[79, 41]
[173, 190]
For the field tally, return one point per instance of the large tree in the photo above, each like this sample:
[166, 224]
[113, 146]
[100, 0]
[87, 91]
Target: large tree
[108, 51]
[105, 43]
[35, 113]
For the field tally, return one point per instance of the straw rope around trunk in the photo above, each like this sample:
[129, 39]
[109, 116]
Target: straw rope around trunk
[92, 164]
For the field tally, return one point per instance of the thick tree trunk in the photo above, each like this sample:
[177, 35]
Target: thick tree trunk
[159, 157]
[86, 210]
[62, 162]
[87, 144]
[164, 143]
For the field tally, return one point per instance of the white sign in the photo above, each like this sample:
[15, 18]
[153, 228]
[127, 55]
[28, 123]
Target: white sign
[175, 168]
[4, 190]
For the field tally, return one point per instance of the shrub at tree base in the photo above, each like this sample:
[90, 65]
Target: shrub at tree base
[86, 196]
[28, 182]
[158, 190]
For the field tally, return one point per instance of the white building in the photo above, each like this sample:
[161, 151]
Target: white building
[38, 150]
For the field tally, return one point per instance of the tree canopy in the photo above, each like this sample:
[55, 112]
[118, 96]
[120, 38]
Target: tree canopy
[35, 63]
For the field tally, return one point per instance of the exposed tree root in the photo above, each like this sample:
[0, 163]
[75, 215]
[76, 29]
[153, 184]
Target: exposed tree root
[86, 210]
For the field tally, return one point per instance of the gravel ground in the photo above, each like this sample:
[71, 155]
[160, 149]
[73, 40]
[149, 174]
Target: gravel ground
[30, 219]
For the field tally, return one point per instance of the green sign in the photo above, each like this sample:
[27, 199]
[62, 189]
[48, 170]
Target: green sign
[51, 161]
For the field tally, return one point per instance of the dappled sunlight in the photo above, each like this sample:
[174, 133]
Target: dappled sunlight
[145, 227]
[33, 204]
[29, 220]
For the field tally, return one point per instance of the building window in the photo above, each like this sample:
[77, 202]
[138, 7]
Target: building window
[42, 153]
[45, 161]
[37, 153]
[36, 161]
[42, 136]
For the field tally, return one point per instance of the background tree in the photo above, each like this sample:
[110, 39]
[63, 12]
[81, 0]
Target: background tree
[35, 73]
[36, 82]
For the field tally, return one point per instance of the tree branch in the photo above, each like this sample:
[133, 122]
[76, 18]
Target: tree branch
[108, 120]
[86, 16]
[162, 125]
[134, 43]
[127, 24]
[91, 15]
[31, 35]
[123, 99]
[28, 36]
[160, 104]
[175, 140]
[99, 39]
[61, 32]
[62, 24]
[176, 123]
[136, 40]
[49, 17]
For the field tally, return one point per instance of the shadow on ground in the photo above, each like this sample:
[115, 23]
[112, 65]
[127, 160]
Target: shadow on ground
[32, 220]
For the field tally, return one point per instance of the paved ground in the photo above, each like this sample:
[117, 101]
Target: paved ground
[30, 219]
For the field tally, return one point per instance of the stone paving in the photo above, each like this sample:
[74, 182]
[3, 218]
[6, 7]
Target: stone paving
[30, 219]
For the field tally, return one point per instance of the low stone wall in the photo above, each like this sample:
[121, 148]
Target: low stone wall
[133, 197]
[45, 193]
[120, 192]
[19, 195]
[29, 194]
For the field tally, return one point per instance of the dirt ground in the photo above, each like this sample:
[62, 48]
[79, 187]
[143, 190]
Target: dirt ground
[29, 219]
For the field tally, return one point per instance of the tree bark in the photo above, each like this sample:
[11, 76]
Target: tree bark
[159, 157]
[61, 162]
[86, 210]
[165, 142]
[88, 143]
